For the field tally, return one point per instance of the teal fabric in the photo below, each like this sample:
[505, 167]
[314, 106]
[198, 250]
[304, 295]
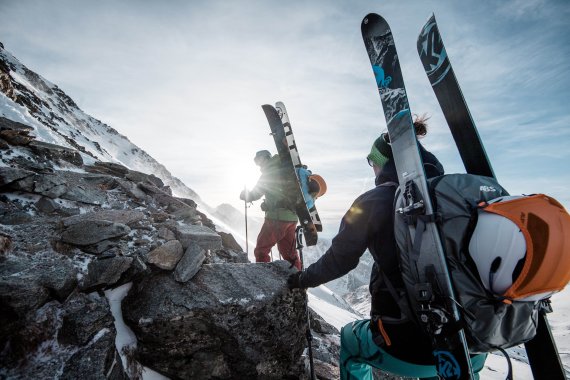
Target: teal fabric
[303, 175]
[359, 353]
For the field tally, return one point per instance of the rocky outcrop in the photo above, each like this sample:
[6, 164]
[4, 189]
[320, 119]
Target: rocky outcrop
[198, 308]
[230, 321]
[74, 228]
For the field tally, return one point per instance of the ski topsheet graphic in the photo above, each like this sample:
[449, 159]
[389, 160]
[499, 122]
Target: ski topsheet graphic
[444, 83]
[436, 310]
[542, 353]
[287, 150]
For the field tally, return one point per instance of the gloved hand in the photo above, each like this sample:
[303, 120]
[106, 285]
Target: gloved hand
[242, 195]
[294, 281]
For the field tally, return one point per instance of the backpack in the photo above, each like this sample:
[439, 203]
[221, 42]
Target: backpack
[498, 290]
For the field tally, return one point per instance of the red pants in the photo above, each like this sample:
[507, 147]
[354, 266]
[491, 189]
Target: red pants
[280, 233]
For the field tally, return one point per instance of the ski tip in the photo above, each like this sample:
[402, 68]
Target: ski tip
[371, 22]
[425, 33]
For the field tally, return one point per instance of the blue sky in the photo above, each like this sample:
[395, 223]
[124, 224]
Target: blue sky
[185, 80]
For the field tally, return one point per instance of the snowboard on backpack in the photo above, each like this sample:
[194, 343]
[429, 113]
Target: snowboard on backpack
[289, 155]
[431, 298]
[541, 350]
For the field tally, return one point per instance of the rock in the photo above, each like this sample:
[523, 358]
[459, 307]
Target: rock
[49, 185]
[227, 256]
[16, 137]
[87, 232]
[167, 255]
[190, 263]
[128, 217]
[166, 234]
[83, 317]
[203, 236]
[56, 153]
[9, 175]
[99, 360]
[5, 244]
[228, 241]
[46, 205]
[14, 217]
[238, 321]
[103, 273]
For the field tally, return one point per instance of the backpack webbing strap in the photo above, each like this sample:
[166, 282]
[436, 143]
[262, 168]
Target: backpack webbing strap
[405, 310]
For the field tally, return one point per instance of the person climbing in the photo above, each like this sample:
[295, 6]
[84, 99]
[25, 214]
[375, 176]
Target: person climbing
[280, 217]
[388, 340]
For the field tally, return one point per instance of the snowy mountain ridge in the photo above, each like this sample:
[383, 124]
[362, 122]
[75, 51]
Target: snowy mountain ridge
[28, 98]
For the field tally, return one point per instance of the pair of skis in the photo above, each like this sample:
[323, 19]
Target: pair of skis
[450, 345]
[289, 154]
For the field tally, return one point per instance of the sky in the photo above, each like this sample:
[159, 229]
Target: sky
[185, 81]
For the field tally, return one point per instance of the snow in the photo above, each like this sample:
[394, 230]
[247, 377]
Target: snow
[336, 316]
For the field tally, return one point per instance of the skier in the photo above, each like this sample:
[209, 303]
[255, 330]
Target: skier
[280, 218]
[388, 340]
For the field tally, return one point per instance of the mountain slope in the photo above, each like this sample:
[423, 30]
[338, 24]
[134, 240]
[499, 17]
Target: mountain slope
[28, 98]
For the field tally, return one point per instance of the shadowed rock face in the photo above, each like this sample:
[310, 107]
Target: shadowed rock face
[230, 321]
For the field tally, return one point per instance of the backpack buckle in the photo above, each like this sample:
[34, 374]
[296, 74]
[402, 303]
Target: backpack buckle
[413, 203]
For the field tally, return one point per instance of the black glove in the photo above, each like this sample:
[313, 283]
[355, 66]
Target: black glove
[294, 281]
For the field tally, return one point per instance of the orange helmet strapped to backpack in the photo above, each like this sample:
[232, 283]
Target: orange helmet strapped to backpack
[545, 225]
[317, 185]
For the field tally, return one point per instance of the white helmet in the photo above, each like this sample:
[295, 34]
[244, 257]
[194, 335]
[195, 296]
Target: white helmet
[497, 246]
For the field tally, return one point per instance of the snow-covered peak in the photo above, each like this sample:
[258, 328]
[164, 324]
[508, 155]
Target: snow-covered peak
[28, 98]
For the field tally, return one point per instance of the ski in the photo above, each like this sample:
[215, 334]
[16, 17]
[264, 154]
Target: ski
[289, 155]
[444, 83]
[295, 158]
[432, 298]
[542, 353]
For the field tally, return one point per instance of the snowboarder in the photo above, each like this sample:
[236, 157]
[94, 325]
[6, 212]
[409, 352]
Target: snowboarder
[280, 218]
[387, 340]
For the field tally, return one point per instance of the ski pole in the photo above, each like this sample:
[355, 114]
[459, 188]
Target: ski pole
[245, 207]
[299, 236]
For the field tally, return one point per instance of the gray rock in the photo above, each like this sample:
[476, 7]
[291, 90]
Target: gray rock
[190, 263]
[82, 318]
[46, 205]
[56, 153]
[87, 232]
[14, 217]
[238, 321]
[203, 236]
[9, 175]
[167, 255]
[166, 234]
[98, 360]
[103, 273]
[128, 217]
[49, 185]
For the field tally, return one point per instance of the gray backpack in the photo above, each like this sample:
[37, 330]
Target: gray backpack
[490, 322]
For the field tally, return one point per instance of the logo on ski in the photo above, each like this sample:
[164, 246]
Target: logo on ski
[447, 365]
[432, 53]
[382, 81]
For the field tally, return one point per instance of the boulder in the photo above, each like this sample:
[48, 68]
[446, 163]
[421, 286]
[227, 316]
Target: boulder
[101, 274]
[127, 217]
[231, 321]
[167, 255]
[190, 263]
[201, 235]
[87, 232]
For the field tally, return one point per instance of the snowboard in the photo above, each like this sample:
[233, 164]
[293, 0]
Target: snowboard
[541, 350]
[290, 159]
[432, 297]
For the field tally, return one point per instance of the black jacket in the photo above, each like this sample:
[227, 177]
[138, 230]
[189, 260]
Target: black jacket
[369, 224]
